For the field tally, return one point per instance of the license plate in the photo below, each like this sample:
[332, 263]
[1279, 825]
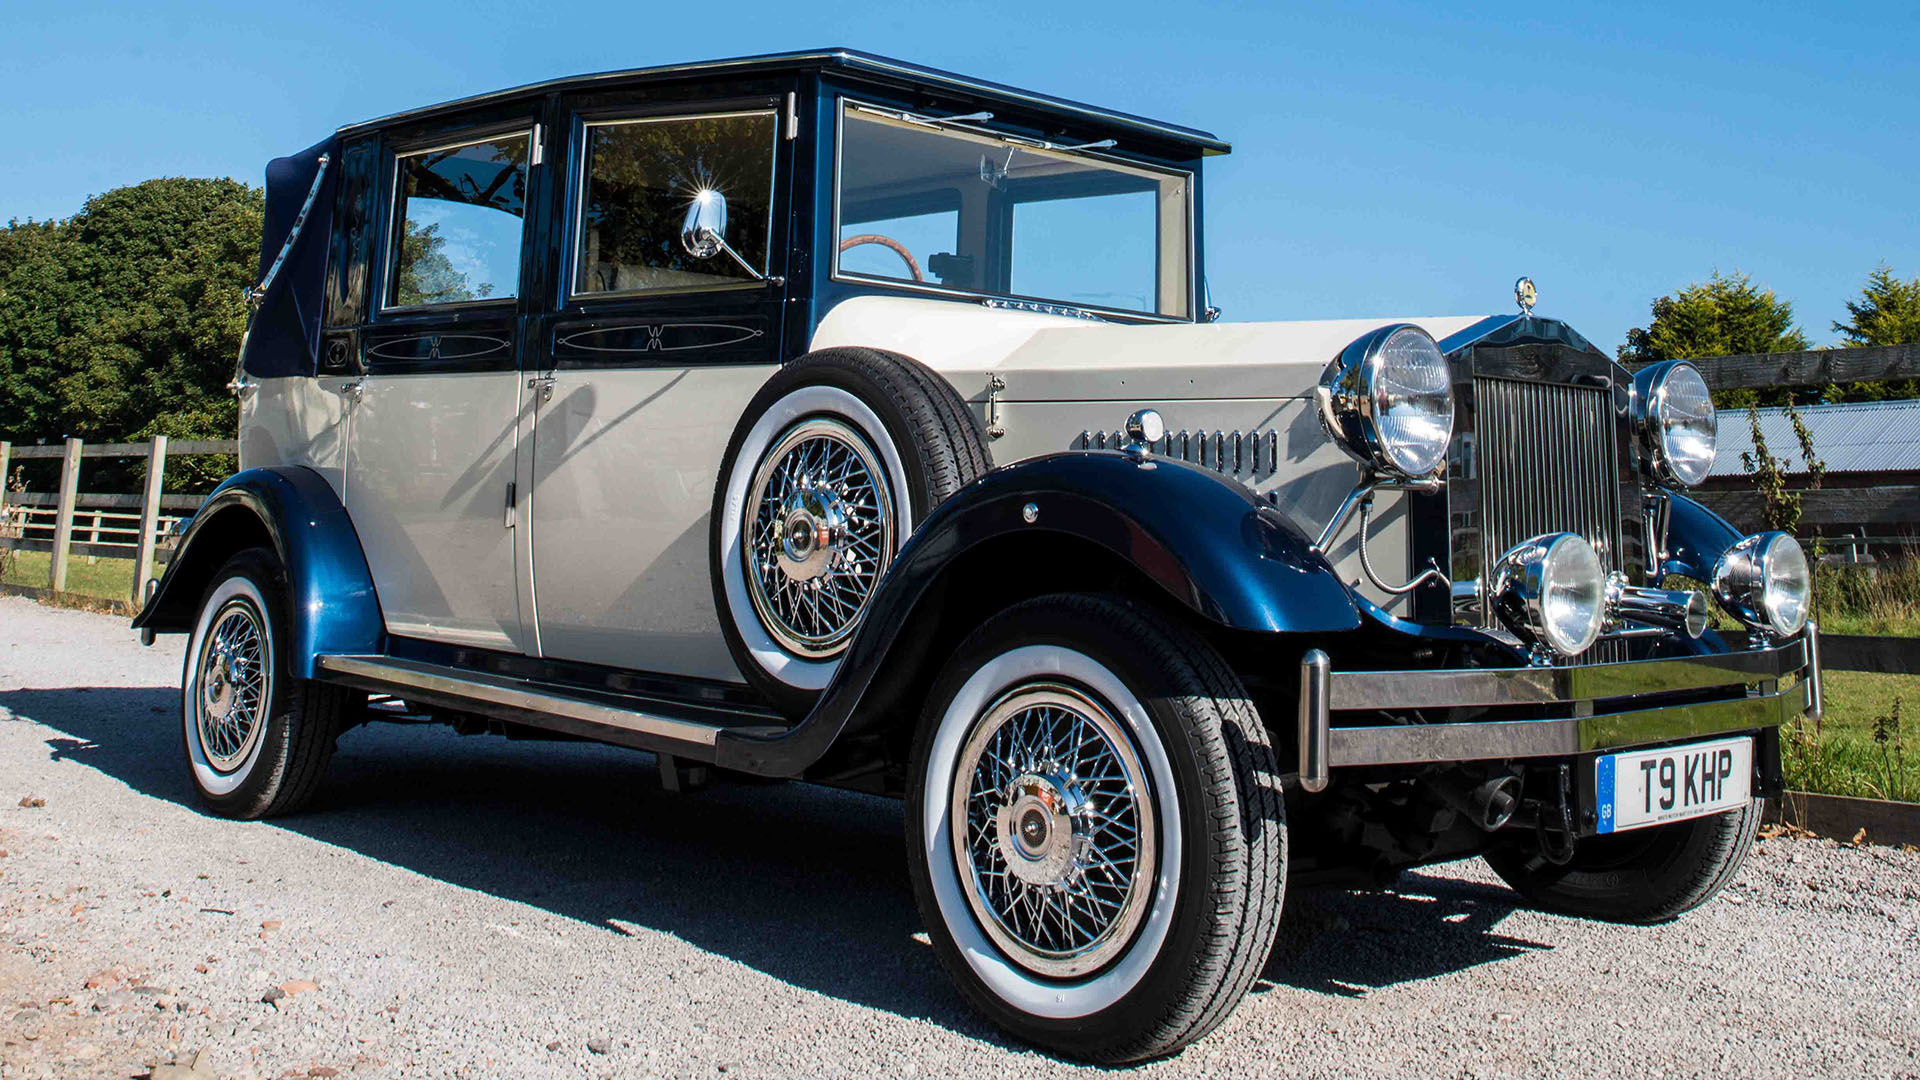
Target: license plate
[1653, 787]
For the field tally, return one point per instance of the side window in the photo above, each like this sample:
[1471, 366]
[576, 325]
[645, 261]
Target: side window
[1092, 249]
[638, 178]
[458, 215]
[907, 240]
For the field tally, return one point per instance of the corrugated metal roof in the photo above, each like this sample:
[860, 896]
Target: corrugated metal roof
[1858, 436]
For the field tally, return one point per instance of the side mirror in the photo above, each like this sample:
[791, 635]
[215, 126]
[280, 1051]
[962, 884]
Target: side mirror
[703, 233]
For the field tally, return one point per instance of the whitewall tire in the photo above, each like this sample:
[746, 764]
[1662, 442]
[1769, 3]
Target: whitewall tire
[834, 462]
[1096, 837]
[256, 738]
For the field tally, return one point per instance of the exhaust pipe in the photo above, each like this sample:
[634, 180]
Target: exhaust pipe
[1489, 804]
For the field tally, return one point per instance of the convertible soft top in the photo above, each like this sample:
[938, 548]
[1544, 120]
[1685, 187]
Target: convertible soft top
[284, 338]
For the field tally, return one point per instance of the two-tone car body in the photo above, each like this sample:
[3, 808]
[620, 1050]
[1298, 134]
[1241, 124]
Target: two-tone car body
[824, 416]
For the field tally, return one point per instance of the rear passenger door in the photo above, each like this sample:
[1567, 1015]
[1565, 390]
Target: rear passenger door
[649, 360]
[434, 431]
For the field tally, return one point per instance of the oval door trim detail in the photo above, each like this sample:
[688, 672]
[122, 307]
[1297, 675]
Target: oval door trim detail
[439, 347]
[660, 337]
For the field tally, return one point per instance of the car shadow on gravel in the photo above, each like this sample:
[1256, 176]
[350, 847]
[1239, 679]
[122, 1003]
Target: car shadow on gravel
[1349, 943]
[805, 884]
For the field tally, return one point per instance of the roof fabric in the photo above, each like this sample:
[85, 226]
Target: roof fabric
[1851, 437]
[284, 336]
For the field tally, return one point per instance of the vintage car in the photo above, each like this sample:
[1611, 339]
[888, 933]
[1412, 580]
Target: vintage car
[825, 416]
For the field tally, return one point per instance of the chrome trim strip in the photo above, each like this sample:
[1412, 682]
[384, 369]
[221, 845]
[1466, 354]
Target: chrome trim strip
[1315, 748]
[1817, 692]
[1408, 744]
[1547, 685]
[513, 694]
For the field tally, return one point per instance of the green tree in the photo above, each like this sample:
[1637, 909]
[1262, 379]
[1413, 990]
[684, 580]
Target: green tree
[1721, 316]
[125, 319]
[425, 274]
[1887, 313]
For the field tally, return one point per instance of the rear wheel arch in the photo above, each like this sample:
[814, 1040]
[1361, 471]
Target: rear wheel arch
[229, 530]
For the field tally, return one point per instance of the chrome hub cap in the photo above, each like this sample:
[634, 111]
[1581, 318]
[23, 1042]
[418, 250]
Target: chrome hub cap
[1058, 841]
[234, 686]
[820, 536]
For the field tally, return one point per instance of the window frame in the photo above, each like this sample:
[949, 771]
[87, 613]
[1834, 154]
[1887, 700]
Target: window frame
[847, 103]
[398, 151]
[576, 198]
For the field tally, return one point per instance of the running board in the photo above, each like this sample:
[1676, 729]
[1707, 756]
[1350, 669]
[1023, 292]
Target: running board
[681, 728]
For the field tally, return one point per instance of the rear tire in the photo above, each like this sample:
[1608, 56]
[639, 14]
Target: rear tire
[1048, 919]
[1644, 876]
[257, 739]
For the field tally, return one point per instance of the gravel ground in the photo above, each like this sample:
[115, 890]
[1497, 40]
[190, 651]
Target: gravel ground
[477, 907]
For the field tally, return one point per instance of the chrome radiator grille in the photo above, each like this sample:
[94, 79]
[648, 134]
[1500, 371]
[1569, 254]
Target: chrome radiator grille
[1547, 462]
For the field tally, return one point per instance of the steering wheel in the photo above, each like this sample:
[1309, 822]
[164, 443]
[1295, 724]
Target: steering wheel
[891, 244]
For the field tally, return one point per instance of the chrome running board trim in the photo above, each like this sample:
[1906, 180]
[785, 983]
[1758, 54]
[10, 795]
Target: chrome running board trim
[600, 716]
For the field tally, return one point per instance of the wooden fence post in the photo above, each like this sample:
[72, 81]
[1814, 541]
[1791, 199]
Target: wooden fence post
[149, 520]
[63, 520]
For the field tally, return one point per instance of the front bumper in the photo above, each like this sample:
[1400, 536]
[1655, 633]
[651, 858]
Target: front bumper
[1596, 702]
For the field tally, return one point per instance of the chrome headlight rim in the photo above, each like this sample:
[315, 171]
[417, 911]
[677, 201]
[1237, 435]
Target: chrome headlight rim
[1766, 581]
[1655, 416]
[1535, 575]
[1353, 403]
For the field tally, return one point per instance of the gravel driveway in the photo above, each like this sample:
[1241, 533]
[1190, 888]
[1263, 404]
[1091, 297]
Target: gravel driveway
[478, 907]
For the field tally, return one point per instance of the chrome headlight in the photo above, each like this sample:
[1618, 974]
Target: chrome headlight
[1678, 425]
[1388, 401]
[1765, 582]
[1552, 591]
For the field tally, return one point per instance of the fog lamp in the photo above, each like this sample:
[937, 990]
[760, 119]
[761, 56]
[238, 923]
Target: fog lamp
[1766, 583]
[1551, 591]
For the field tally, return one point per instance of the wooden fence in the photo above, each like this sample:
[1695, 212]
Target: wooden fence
[93, 525]
[1888, 508]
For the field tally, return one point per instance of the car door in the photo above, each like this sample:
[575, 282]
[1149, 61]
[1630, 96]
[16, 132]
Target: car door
[434, 429]
[650, 359]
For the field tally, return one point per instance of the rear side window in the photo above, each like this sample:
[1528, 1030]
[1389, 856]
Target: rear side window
[459, 213]
[638, 178]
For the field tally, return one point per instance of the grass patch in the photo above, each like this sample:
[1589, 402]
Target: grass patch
[108, 579]
[1868, 744]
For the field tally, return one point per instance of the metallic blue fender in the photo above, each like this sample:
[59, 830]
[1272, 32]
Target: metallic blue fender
[1207, 541]
[1696, 538]
[331, 605]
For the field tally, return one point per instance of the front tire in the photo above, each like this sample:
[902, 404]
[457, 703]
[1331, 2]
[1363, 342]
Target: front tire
[1097, 839]
[1644, 876]
[257, 739]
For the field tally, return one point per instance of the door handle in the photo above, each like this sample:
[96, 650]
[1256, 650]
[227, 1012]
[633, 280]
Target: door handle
[543, 384]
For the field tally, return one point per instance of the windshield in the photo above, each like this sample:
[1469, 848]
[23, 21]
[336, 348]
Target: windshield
[971, 212]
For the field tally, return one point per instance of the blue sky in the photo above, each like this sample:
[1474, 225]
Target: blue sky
[1389, 158]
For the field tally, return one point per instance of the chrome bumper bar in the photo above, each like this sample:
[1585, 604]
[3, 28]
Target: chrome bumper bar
[1323, 692]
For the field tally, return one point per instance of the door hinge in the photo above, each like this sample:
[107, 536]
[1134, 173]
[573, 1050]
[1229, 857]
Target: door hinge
[538, 152]
[513, 505]
[793, 115]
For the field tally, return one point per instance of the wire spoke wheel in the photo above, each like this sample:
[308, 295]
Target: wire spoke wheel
[820, 536]
[1058, 836]
[234, 685]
